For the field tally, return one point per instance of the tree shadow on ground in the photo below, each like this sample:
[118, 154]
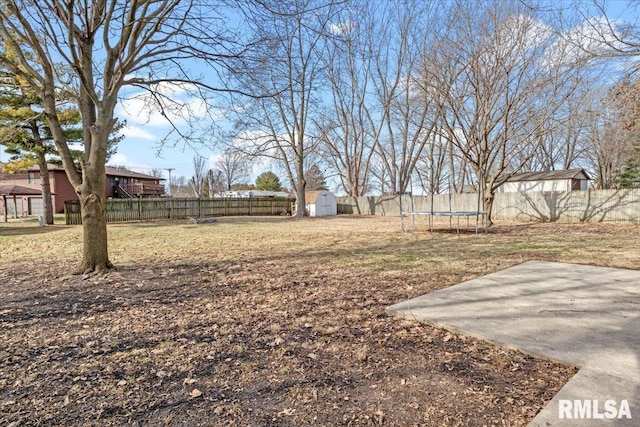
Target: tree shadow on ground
[551, 206]
[262, 335]
[598, 307]
[30, 230]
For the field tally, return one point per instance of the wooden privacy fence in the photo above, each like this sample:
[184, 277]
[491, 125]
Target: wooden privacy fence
[123, 210]
[590, 205]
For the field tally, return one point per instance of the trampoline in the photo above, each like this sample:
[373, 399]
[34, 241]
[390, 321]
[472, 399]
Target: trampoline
[480, 215]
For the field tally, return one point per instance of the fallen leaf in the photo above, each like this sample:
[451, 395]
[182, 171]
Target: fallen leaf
[195, 393]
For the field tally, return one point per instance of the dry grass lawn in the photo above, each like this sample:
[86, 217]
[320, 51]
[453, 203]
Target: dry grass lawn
[269, 321]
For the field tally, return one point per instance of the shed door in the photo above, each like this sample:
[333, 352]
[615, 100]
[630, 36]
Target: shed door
[328, 203]
[35, 206]
[575, 185]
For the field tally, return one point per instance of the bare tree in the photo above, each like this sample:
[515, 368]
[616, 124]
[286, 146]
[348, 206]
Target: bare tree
[612, 148]
[560, 147]
[346, 127]
[231, 168]
[379, 179]
[379, 121]
[214, 185]
[97, 49]
[407, 111]
[180, 187]
[287, 68]
[157, 173]
[500, 76]
[609, 40]
[603, 33]
[458, 174]
[608, 145]
[197, 181]
[432, 166]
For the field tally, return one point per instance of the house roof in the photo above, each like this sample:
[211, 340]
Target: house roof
[113, 171]
[18, 190]
[549, 175]
[110, 170]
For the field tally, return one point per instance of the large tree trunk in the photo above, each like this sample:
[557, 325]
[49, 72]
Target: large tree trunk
[301, 205]
[488, 199]
[94, 220]
[46, 188]
[487, 193]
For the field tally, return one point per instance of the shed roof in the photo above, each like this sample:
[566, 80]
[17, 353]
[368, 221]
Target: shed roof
[18, 190]
[549, 175]
[311, 197]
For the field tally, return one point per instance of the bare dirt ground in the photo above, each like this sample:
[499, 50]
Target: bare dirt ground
[269, 322]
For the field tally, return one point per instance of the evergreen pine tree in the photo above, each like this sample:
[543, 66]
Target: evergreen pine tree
[268, 181]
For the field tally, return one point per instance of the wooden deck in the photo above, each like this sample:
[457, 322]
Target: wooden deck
[140, 189]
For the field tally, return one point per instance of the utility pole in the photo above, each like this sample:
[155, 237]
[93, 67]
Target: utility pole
[169, 170]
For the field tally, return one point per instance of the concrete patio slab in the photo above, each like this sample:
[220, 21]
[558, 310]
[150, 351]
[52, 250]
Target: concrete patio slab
[582, 315]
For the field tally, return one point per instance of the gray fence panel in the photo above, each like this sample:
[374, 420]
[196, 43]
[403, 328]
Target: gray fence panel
[590, 205]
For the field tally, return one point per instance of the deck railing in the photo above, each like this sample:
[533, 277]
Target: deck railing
[144, 189]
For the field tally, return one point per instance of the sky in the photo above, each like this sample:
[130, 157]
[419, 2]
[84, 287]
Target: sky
[140, 150]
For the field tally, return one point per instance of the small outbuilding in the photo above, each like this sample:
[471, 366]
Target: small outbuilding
[556, 180]
[321, 203]
[18, 201]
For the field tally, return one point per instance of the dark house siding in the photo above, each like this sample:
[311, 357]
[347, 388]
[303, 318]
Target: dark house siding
[63, 189]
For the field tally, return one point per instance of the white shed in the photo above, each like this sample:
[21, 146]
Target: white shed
[321, 203]
[556, 180]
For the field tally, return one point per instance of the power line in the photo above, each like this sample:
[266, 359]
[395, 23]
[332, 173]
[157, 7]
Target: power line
[169, 170]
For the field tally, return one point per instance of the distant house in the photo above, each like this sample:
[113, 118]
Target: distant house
[121, 183]
[125, 184]
[557, 180]
[251, 193]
